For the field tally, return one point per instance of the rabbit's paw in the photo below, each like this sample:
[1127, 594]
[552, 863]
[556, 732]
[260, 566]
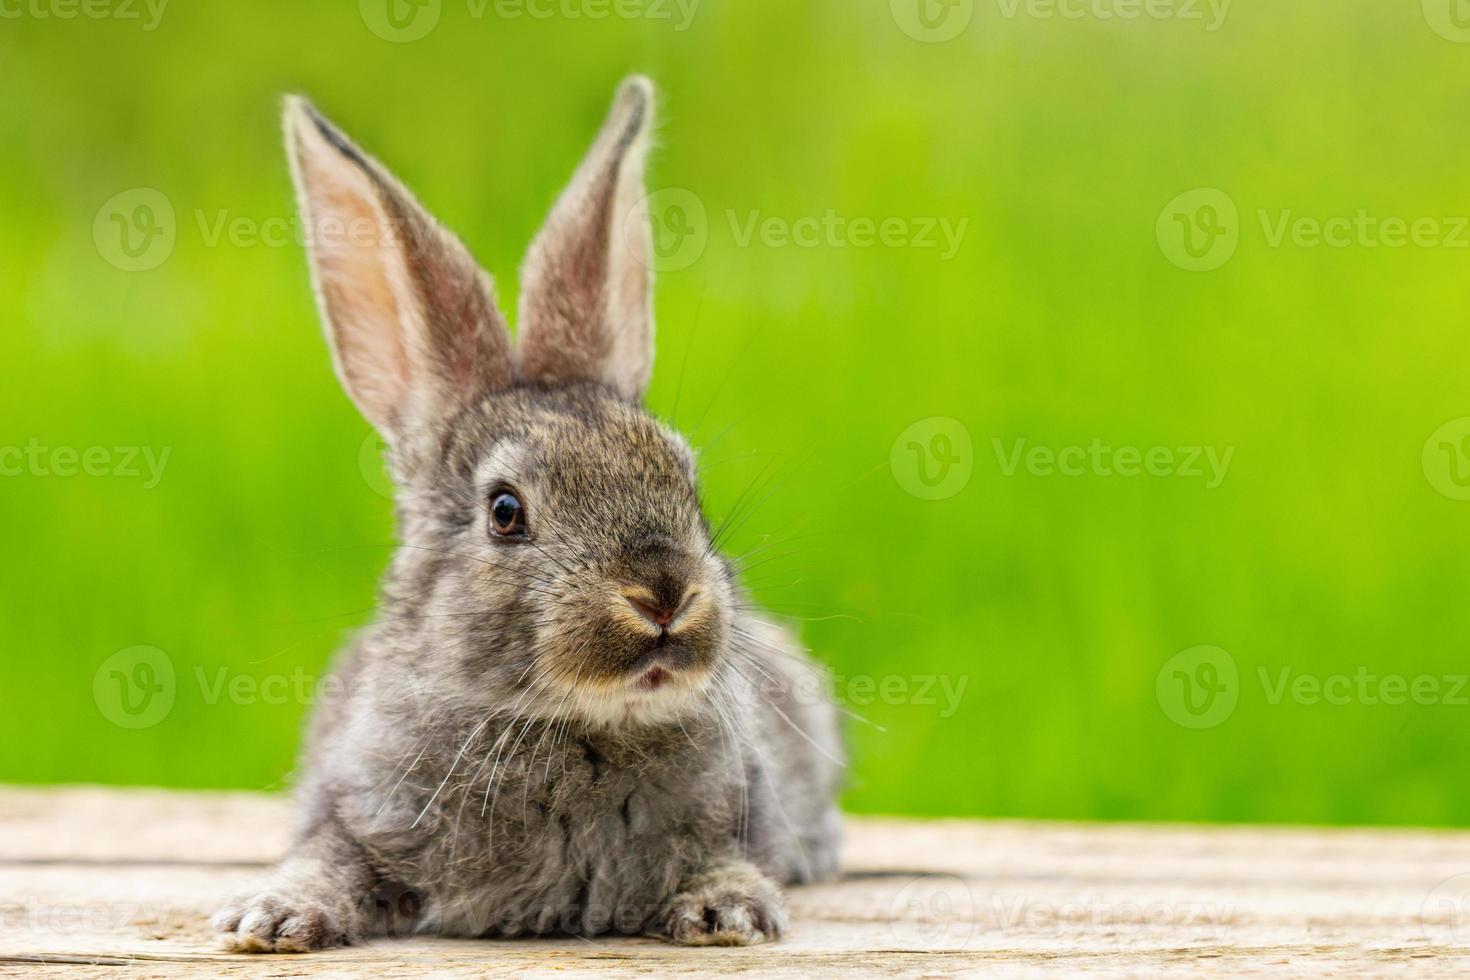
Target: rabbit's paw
[276, 922]
[728, 906]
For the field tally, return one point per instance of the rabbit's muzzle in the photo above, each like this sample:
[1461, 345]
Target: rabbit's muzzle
[658, 625]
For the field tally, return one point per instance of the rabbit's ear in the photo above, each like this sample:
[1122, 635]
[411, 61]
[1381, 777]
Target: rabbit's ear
[410, 316]
[586, 308]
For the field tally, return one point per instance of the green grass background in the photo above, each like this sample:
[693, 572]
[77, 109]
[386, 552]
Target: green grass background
[1056, 600]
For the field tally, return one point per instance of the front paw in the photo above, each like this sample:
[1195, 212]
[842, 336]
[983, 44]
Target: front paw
[277, 922]
[728, 907]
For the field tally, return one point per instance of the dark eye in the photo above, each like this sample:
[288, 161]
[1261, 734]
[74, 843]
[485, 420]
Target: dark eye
[507, 516]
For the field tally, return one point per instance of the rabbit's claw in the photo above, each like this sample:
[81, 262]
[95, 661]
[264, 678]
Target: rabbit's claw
[271, 922]
[737, 907]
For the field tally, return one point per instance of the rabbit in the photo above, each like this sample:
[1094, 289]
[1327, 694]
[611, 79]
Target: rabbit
[567, 717]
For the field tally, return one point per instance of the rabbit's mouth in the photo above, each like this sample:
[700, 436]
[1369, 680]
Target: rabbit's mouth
[664, 662]
[652, 679]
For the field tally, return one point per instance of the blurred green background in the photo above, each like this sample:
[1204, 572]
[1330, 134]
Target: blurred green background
[1049, 606]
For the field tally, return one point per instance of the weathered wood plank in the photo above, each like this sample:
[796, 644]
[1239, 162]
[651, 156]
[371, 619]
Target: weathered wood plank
[92, 879]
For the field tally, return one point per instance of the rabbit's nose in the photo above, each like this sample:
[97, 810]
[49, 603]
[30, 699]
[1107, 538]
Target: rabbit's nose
[657, 611]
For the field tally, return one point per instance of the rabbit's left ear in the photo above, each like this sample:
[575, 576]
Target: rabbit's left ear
[410, 317]
[586, 308]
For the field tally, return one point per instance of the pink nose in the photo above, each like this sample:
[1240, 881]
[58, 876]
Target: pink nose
[657, 615]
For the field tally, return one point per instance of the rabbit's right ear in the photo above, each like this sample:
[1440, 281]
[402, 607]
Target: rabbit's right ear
[409, 314]
[586, 309]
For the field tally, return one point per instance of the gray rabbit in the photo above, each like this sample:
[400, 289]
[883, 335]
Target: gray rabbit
[568, 718]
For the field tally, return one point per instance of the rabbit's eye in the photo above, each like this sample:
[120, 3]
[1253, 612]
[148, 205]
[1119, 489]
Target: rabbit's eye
[507, 516]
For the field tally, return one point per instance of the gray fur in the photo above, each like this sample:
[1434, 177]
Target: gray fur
[505, 759]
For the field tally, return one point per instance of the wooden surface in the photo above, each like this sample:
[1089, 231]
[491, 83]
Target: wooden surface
[120, 882]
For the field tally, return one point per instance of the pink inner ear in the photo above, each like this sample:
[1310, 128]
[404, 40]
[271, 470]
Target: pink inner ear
[464, 332]
[630, 297]
[411, 317]
[585, 306]
[353, 254]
